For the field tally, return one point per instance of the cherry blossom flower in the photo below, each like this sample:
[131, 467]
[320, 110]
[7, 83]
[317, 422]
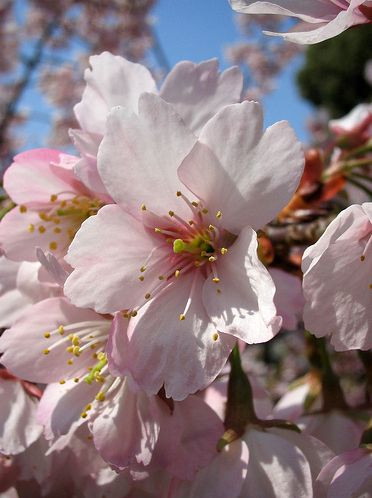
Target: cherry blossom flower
[82, 390]
[322, 19]
[356, 125]
[348, 474]
[195, 260]
[337, 281]
[51, 204]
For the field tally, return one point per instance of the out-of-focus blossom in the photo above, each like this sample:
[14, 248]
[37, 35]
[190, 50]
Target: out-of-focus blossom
[321, 19]
[337, 281]
[288, 298]
[194, 259]
[348, 474]
[355, 126]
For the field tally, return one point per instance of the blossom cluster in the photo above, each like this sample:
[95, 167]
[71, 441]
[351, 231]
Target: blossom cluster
[134, 270]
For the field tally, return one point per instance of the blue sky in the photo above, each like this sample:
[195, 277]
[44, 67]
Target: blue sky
[194, 30]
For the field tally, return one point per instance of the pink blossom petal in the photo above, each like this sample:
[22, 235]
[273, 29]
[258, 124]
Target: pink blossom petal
[314, 11]
[139, 156]
[184, 355]
[192, 429]
[198, 91]
[33, 168]
[125, 431]
[108, 252]
[61, 406]
[244, 307]
[348, 474]
[112, 81]
[288, 298]
[18, 427]
[277, 467]
[223, 477]
[24, 342]
[243, 171]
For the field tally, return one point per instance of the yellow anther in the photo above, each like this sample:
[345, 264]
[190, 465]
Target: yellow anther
[61, 330]
[31, 228]
[94, 356]
[94, 345]
[197, 263]
[84, 415]
[218, 291]
[134, 313]
[53, 245]
[53, 198]
[101, 356]
[47, 335]
[191, 223]
[57, 221]
[142, 269]
[76, 351]
[88, 407]
[23, 209]
[46, 351]
[62, 381]
[216, 280]
[76, 380]
[57, 230]
[171, 213]
[70, 362]
[178, 193]
[218, 214]
[70, 337]
[43, 216]
[75, 340]
[125, 314]
[223, 251]
[211, 228]
[205, 211]
[142, 278]
[100, 396]
[143, 207]
[41, 228]
[362, 258]
[161, 277]
[177, 273]
[70, 349]
[63, 204]
[370, 286]
[215, 336]
[212, 259]
[158, 230]
[147, 296]
[195, 204]
[182, 316]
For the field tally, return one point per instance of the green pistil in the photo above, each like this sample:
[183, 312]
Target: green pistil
[96, 369]
[196, 246]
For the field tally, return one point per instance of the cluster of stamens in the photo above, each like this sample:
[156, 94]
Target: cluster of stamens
[194, 244]
[63, 217]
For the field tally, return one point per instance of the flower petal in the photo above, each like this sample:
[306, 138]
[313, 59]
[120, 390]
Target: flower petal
[244, 307]
[108, 252]
[259, 172]
[198, 91]
[112, 81]
[139, 156]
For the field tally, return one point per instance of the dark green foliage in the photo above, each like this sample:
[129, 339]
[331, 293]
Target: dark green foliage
[333, 74]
